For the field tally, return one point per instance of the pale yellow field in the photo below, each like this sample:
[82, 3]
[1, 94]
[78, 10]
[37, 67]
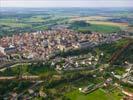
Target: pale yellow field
[99, 20]
[108, 23]
[91, 18]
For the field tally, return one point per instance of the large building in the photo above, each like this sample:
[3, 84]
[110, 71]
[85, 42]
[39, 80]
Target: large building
[8, 50]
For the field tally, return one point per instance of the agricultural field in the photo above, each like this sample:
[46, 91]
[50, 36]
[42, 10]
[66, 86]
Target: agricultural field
[90, 18]
[102, 28]
[108, 23]
[101, 24]
[30, 20]
[99, 20]
[34, 19]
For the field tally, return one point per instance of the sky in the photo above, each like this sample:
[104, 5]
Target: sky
[66, 3]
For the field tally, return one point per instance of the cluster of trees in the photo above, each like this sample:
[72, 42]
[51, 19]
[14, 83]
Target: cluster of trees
[80, 26]
[12, 85]
[52, 82]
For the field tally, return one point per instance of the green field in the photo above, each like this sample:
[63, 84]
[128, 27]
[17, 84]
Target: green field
[34, 19]
[99, 94]
[104, 28]
[14, 25]
[83, 26]
[99, 28]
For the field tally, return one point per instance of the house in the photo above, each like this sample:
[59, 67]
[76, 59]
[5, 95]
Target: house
[87, 88]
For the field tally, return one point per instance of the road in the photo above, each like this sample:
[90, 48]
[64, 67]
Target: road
[11, 63]
[3, 69]
[32, 87]
[32, 77]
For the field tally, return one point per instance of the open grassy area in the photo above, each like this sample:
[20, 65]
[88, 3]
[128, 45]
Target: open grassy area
[83, 26]
[99, 94]
[12, 23]
[34, 19]
[101, 28]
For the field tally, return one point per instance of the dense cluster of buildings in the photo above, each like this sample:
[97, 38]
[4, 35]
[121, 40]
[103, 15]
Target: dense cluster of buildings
[43, 44]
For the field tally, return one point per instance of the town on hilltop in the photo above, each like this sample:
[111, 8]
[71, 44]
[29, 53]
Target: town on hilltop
[66, 53]
[43, 44]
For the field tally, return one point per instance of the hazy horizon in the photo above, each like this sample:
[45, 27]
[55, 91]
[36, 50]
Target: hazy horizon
[66, 3]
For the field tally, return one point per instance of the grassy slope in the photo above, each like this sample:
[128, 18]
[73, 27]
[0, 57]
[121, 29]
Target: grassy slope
[109, 49]
[28, 70]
